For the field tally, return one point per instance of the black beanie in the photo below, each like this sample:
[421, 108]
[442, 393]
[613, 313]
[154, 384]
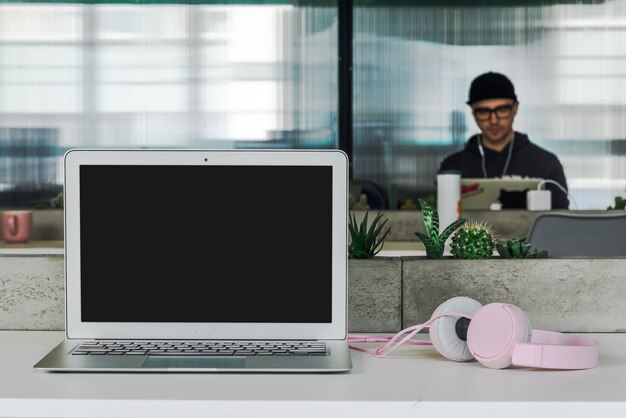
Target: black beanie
[491, 86]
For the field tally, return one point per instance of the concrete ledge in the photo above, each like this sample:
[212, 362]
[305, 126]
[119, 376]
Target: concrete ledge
[578, 295]
[375, 295]
[32, 295]
[385, 294]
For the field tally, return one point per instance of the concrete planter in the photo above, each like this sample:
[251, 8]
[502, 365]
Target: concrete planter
[32, 293]
[577, 295]
[375, 295]
[386, 294]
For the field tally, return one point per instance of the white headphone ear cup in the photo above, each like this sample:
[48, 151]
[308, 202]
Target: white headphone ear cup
[443, 331]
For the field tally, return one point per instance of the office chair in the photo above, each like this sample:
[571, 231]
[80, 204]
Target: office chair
[582, 235]
[376, 197]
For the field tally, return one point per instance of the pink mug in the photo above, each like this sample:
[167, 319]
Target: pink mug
[17, 225]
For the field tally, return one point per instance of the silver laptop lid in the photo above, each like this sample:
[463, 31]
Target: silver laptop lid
[197, 244]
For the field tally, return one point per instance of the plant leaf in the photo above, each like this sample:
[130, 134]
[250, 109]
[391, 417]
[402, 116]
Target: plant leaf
[380, 227]
[503, 250]
[353, 228]
[435, 223]
[380, 242]
[516, 249]
[366, 240]
[373, 226]
[427, 216]
[370, 237]
[433, 249]
[450, 229]
[424, 238]
[362, 229]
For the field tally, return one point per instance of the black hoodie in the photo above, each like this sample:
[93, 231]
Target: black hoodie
[527, 160]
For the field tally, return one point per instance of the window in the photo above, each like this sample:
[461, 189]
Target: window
[160, 76]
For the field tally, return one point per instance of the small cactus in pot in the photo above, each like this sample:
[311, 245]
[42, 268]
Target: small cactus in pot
[433, 241]
[474, 240]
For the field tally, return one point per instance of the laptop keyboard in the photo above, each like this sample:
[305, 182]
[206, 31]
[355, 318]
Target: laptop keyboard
[200, 348]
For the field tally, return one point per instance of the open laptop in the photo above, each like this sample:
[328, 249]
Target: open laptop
[481, 193]
[203, 261]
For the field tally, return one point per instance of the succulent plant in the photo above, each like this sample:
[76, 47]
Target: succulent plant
[366, 242]
[620, 204]
[433, 241]
[518, 248]
[57, 201]
[474, 240]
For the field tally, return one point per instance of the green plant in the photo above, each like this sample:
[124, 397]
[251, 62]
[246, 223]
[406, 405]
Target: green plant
[57, 201]
[366, 242]
[433, 241]
[620, 204]
[474, 240]
[516, 248]
[430, 201]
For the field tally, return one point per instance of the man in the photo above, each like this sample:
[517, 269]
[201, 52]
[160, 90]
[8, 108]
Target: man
[498, 150]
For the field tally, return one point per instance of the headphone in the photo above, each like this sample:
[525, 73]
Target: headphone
[497, 335]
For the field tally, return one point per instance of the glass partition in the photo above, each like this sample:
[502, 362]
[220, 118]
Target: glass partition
[159, 75]
[412, 70]
[265, 74]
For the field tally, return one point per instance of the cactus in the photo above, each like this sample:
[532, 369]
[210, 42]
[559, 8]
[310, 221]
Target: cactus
[474, 240]
[433, 241]
[515, 248]
[366, 242]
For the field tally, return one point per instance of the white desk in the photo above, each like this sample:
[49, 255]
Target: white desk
[414, 382]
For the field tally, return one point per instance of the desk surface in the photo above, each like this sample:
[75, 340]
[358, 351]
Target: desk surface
[32, 248]
[415, 381]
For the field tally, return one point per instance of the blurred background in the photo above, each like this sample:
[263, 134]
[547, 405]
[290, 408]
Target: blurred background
[265, 75]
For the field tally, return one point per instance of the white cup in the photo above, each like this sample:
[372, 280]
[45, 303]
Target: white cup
[448, 197]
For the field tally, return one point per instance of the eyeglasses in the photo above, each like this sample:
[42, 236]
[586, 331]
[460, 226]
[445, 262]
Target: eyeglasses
[484, 113]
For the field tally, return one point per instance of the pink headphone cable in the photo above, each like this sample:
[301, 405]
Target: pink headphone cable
[392, 343]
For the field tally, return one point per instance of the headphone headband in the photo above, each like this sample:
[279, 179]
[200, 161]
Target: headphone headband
[554, 350]
[500, 335]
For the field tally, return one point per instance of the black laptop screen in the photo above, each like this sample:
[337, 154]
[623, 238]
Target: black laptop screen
[206, 243]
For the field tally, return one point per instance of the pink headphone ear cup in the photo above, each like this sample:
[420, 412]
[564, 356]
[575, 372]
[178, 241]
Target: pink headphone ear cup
[494, 332]
[443, 333]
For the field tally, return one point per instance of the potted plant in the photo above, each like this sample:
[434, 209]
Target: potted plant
[473, 241]
[374, 283]
[432, 239]
[366, 241]
[516, 248]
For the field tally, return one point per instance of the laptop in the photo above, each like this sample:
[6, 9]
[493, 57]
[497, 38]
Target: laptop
[481, 193]
[204, 261]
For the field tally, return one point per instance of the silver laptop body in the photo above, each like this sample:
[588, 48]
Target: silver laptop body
[204, 261]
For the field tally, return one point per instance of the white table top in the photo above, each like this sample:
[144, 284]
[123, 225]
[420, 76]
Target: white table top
[413, 382]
